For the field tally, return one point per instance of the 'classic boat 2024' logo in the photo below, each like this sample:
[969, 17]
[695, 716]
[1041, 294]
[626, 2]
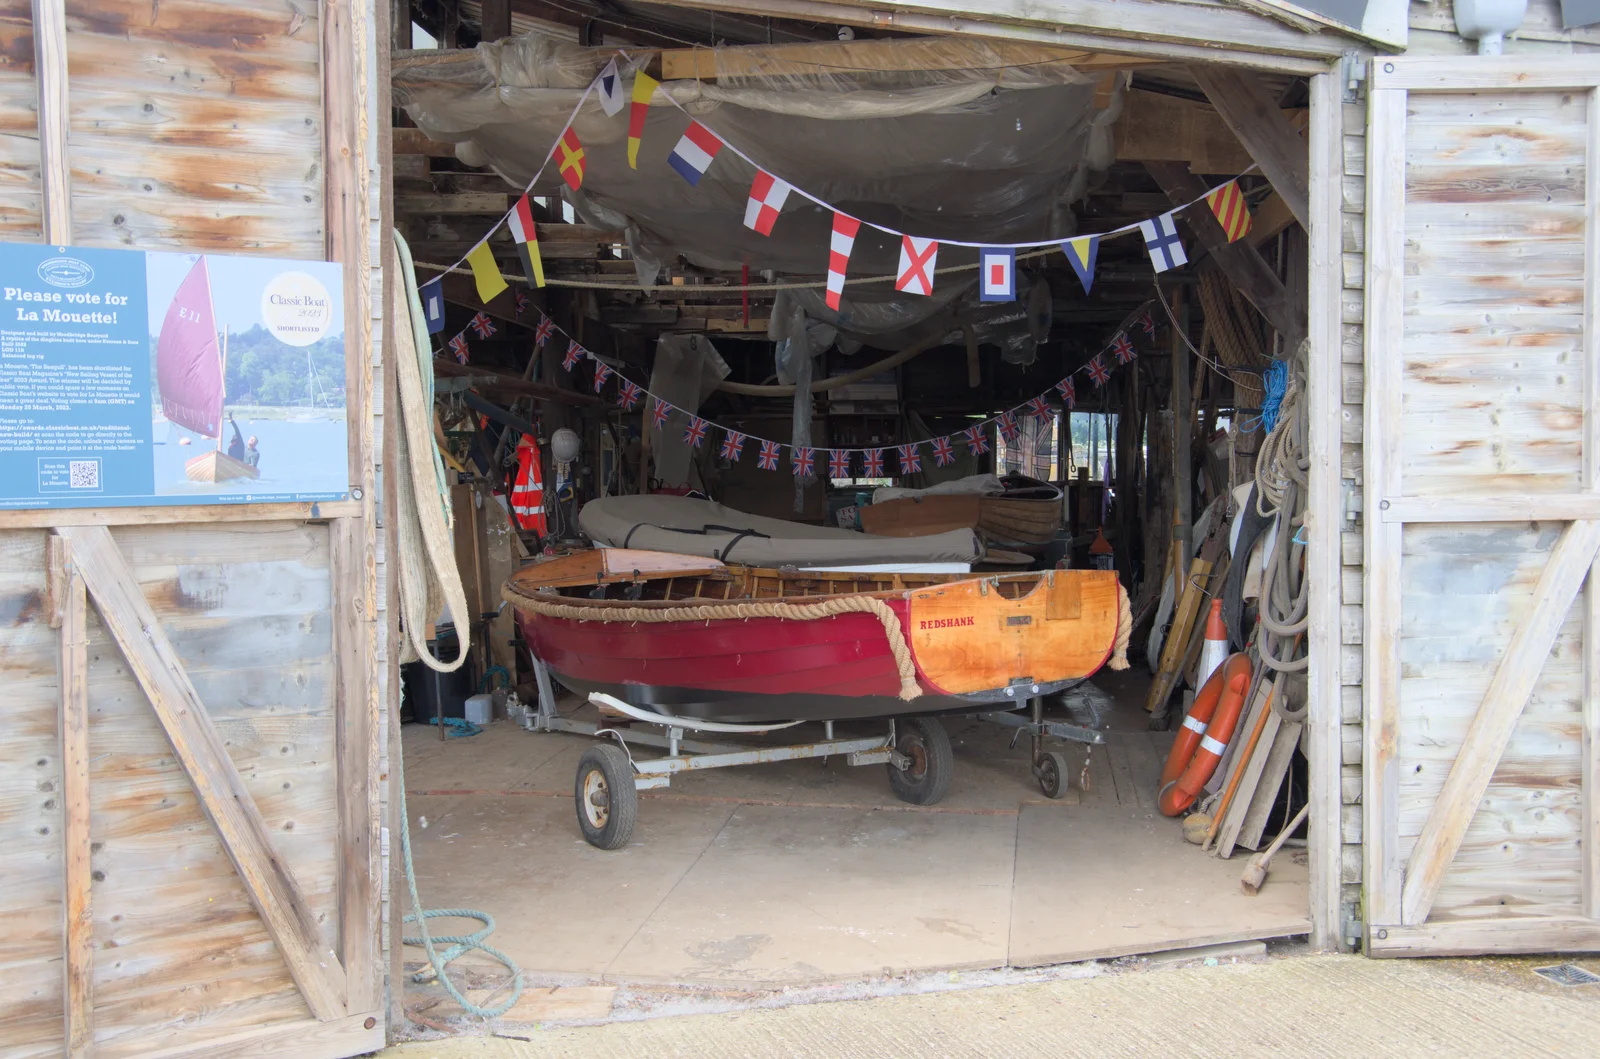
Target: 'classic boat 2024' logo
[65, 272]
[946, 623]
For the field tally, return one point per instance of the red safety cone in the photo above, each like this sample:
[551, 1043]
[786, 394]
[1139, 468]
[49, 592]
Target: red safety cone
[1215, 649]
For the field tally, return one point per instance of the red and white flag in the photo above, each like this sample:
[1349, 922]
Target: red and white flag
[917, 257]
[767, 196]
[844, 240]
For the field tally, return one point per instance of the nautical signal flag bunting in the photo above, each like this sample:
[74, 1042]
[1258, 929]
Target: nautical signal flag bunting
[644, 86]
[767, 196]
[997, 271]
[1081, 253]
[843, 240]
[917, 259]
[694, 152]
[1161, 239]
[526, 236]
[569, 158]
[1228, 206]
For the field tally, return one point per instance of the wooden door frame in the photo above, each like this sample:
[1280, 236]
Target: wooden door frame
[1398, 896]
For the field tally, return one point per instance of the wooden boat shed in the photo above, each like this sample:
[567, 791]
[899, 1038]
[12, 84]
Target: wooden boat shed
[195, 766]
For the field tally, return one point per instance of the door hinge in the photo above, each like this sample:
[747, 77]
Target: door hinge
[1352, 75]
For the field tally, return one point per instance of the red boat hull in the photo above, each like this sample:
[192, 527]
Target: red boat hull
[834, 669]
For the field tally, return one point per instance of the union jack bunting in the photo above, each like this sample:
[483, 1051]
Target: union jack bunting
[872, 463]
[602, 372]
[1069, 392]
[482, 325]
[802, 460]
[542, 333]
[910, 458]
[1008, 427]
[1148, 322]
[458, 346]
[943, 454]
[768, 458]
[1123, 348]
[977, 440]
[1039, 408]
[839, 463]
[695, 432]
[574, 351]
[659, 414]
[628, 395]
[1098, 370]
[732, 445]
[522, 303]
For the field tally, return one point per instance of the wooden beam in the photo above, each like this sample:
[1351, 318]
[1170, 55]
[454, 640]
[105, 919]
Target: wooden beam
[413, 141]
[55, 168]
[494, 19]
[1448, 73]
[1532, 507]
[1258, 121]
[1269, 219]
[512, 383]
[1242, 263]
[1590, 774]
[77, 966]
[45, 518]
[888, 55]
[356, 751]
[1480, 936]
[1382, 870]
[1324, 514]
[1492, 725]
[1161, 128]
[460, 202]
[218, 786]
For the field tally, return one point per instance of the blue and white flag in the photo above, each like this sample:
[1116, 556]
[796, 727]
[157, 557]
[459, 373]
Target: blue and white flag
[1161, 239]
[608, 86]
[432, 295]
[997, 274]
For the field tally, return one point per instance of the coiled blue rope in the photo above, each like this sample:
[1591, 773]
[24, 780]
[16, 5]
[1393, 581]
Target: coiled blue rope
[1276, 382]
[460, 944]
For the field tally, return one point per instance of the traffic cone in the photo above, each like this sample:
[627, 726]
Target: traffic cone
[1215, 649]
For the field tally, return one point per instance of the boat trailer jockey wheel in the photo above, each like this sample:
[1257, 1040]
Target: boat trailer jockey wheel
[606, 797]
[1051, 770]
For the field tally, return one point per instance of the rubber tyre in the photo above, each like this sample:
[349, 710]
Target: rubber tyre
[924, 740]
[604, 769]
[1052, 772]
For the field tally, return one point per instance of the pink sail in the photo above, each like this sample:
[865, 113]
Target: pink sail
[188, 362]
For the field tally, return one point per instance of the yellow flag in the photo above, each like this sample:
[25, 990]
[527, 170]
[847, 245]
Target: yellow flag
[486, 273]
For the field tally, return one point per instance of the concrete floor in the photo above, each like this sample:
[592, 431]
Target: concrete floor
[1299, 1006]
[805, 872]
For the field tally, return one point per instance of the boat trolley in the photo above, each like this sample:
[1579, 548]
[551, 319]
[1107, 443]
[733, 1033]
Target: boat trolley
[916, 751]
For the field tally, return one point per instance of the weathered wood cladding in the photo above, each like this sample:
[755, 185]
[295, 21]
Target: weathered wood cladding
[197, 124]
[201, 126]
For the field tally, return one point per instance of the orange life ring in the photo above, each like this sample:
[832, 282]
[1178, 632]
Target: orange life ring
[1199, 747]
[1200, 714]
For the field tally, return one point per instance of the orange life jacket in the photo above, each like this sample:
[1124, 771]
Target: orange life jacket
[527, 495]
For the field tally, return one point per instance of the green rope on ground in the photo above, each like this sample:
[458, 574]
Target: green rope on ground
[460, 944]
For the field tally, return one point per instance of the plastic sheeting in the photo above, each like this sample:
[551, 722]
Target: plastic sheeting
[988, 155]
[686, 371]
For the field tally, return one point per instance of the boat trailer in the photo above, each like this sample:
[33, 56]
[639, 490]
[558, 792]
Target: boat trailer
[916, 750]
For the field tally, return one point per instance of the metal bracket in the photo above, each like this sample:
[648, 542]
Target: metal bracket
[1352, 76]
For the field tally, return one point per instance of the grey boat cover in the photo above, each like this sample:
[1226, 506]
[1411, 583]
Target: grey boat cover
[702, 527]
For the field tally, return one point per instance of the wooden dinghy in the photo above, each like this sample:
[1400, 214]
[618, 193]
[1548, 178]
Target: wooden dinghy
[218, 466]
[1025, 517]
[696, 637]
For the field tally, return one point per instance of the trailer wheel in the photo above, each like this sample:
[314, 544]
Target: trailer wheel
[1052, 773]
[606, 799]
[927, 778]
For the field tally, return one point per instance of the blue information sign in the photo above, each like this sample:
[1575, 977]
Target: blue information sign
[134, 377]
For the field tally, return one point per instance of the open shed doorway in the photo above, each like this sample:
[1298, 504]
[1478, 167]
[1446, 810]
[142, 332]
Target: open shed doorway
[810, 871]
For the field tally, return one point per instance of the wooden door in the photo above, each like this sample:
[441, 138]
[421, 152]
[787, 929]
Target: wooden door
[1482, 437]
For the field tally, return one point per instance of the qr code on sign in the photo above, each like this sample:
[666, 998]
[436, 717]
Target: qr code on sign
[84, 474]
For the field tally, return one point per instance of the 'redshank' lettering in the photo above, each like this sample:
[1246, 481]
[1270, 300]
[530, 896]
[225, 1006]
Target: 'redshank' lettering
[946, 623]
